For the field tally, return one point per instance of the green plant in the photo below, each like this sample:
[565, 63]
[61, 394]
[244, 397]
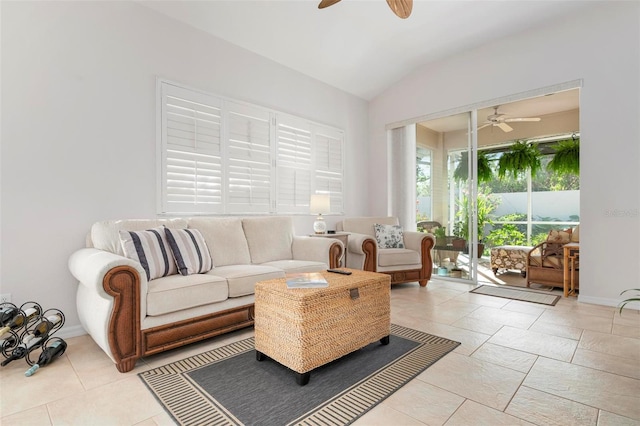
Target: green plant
[486, 205]
[635, 298]
[506, 234]
[520, 157]
[485, 173]
[566, 159]
[440, 232]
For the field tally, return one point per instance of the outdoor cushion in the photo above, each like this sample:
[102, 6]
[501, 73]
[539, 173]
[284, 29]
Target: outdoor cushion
[177, 292]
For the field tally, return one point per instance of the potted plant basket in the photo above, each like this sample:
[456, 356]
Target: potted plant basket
[441, 236]
[566, 157]
[520, 157]
[485, 174]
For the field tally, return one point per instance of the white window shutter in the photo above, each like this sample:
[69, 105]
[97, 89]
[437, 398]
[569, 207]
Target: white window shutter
[294, 165]
[329, 165]
[191, 164]
[249, 165]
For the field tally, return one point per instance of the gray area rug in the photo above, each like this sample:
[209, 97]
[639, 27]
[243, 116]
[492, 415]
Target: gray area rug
[227, 386]
[517, 294]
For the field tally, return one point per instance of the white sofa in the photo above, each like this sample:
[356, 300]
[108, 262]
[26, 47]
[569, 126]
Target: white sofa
[129, 316]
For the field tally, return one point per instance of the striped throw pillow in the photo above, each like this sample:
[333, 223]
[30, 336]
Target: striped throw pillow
[189, 250]
[151, 249]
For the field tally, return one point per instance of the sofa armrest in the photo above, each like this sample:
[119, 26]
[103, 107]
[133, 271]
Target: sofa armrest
[90, 266]
[363, 250]
[413, 240]
[327, 250]
[111, 301]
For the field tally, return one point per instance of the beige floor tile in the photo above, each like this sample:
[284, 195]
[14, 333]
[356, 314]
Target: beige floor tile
[481, 381]
[577, 320]
[524, 307]
[447, 312]
[125, 402]
[470, 340]
[514, 319]
[472, 413]
[424, 402]
[56, 380]
[625, 347]
[584, 308]
[159, 420]
[548, 410]
[606, 391]
[506, 357]
[628, 317]
[609, 419]
[606, 362]
[383, 415]
[536, 343]
[557, 329]
[33, 416]
[481, 299]
[626, 331]
[478, 325]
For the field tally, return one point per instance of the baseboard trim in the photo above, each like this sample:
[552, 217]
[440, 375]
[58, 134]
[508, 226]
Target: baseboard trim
[607, 302]
[68, 332]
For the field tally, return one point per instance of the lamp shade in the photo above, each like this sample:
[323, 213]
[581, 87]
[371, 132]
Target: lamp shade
[319, 204]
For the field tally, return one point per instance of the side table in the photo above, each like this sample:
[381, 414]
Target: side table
[571, 257]
[342, 236]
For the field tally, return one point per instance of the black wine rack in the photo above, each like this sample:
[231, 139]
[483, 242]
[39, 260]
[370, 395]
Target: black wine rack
[30, 328]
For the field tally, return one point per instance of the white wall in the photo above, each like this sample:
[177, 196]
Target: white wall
[78, 126]
[601, 46]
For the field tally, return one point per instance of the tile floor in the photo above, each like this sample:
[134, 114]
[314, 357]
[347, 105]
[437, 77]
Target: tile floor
[519, 364]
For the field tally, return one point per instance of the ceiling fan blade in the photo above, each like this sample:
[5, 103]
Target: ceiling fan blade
[484, 125]
[505, 127]
[511, 120]
[402, 8]
[327, 3]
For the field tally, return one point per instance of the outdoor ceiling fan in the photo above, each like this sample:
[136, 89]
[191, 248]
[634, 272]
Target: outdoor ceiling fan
[402, 8]
[500, 120]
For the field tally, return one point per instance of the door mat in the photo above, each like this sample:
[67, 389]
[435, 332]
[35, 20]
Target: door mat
[517, 294]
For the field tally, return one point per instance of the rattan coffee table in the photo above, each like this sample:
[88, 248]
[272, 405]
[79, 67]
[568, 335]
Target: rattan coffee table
[305, 328]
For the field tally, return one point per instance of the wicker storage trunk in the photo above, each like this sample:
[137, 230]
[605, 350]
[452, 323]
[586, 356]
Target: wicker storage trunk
[306, 328]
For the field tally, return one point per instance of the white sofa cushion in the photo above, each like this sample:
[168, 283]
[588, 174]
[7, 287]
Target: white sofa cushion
[151, 250]
[242, 279]
[398, 257]
[177, 292]
[295, 266]
[105, 234]
[269, 238]
[189, 250]
[225, 239]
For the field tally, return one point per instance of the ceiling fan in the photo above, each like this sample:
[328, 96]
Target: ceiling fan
[500, 120]
[402, 8]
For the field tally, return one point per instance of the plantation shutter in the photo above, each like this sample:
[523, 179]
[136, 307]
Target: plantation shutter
[329, 165]
[191, 164]
[249, 165]
[293, 170]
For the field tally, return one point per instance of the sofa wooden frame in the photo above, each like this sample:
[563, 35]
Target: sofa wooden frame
[130, 343]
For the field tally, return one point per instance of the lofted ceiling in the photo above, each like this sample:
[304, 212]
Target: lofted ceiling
[360, 46]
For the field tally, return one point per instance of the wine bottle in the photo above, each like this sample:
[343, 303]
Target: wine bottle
[7, 314]
[28, 344]
[19, 320]
[45, 326]
[48, 355]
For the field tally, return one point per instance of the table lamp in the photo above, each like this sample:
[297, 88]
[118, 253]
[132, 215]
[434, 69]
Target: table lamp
[319, 204]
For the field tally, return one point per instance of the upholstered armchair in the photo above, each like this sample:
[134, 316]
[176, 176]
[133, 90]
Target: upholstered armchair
[408, 260]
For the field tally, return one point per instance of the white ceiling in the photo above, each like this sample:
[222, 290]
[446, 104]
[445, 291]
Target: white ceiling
[360, 46]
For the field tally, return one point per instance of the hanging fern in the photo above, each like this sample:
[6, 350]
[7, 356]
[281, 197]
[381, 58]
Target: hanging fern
[566, 159]
[520, 157]
[485, 174]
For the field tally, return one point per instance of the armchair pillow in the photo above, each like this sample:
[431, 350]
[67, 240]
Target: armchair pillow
[151, 249]
[189, 250]
[389, 236]
[559, 236]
